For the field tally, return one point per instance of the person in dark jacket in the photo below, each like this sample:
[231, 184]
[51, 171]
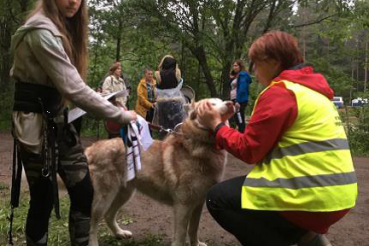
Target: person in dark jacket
[240, 83]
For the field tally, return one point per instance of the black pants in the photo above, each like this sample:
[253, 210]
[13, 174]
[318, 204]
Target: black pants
[170, 113]
[250, 227]
[150, 115]
[75, 174]
[239, 117]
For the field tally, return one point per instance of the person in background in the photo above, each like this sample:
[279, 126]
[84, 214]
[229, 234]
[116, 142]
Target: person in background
[168, 76]
[50, 59]
[170, 101]
[240, 83]
[304, 180]
[146, 96]
[114, 83]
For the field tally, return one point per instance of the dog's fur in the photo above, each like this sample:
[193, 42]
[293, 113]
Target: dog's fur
[177, 171]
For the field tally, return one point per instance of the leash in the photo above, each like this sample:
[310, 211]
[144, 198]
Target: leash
[159, 128]
[162, 129]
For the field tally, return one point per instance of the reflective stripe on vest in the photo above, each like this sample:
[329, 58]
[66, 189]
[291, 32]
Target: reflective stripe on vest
[304, 182]
[308, 147]
[310, 168]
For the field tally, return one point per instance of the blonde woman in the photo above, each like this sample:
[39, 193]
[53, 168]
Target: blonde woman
[114, 83]
[49, 69]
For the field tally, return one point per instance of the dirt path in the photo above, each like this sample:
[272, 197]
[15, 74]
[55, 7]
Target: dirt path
[153, 218]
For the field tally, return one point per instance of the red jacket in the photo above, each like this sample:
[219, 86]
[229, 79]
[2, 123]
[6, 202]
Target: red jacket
[274, 113]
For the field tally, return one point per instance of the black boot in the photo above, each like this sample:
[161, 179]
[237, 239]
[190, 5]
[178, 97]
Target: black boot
[41, 242]
[319, 240]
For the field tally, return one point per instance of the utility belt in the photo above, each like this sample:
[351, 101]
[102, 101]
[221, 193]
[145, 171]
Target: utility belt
[48, 102]
[36, 98]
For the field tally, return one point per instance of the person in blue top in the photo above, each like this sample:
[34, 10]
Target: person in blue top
[240, 82]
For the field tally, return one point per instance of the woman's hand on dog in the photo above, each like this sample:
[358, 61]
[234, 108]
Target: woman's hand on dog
[208, 116]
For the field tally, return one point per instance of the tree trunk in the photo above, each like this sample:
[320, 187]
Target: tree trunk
[357, 65]
[119, 40]
[352, 77]
[201, 57]
[225, 80]
[6, 29]
[366, 66]
[24, 5]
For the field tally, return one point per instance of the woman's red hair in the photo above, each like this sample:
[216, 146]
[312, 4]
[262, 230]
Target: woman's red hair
[277, 45]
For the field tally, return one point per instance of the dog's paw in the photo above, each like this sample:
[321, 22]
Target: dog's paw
[199, 244]
[123, 234]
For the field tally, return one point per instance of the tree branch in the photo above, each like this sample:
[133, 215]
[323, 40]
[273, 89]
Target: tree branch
[314, 22]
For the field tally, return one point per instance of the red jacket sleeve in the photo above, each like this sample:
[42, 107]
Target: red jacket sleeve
[274, 113]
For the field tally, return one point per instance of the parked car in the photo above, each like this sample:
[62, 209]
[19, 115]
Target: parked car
[338, 102]
[360, 102]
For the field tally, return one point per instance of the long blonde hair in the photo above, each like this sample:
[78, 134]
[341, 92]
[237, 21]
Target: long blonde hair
[74, 31]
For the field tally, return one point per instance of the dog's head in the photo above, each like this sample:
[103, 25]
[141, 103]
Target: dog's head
[194, 129]
[225, 109]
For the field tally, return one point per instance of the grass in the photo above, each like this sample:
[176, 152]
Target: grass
[58, 229]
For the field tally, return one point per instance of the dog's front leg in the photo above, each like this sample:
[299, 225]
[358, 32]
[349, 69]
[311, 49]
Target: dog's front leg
[182, 215]
[93, 240]
[194, 226]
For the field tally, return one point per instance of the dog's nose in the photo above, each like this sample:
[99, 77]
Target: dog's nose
[230, 106]
[229, 103]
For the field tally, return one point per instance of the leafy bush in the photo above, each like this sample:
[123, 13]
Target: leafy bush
[356, 121]
[359, 134]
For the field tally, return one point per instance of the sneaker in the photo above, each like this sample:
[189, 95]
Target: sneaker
[319, 240]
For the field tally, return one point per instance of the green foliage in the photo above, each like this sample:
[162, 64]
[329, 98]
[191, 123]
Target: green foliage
[356, 122]
[359, 134]
[6, 106]
[340, 82]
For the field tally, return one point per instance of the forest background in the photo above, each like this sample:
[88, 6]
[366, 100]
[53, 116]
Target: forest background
[205, 37]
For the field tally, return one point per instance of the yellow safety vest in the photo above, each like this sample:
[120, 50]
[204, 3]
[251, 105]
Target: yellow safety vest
[310, 169]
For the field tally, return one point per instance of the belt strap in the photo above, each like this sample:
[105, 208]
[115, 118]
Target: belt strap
[27, 97]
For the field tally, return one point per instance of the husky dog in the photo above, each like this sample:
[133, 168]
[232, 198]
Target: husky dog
[177, 171]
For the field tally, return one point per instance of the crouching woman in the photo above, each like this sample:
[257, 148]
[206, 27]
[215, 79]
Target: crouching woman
[304, 180]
